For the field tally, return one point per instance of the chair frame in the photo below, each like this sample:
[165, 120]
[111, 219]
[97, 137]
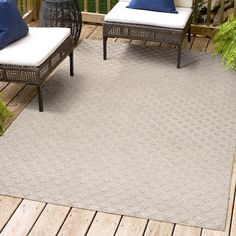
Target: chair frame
[32, 75]
[146, 33]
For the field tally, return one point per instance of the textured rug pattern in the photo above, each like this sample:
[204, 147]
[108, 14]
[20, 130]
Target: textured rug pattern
[131, 135]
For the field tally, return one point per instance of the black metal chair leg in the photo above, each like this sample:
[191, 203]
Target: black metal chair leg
[179, 56]
[40, 99]
[189, 34]
[104, 48]
[71, 63]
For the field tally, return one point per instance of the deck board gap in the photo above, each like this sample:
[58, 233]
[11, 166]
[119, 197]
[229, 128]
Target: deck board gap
[118, 225]
[172, 233]
[62, 223]
[11, 215]
[4, 86]
[201, 231]
[194, 37]
[90, 224]
[37, 219]
[145, 228]
[91, 32]
[16, 95]
[23, 218]
[207, 44]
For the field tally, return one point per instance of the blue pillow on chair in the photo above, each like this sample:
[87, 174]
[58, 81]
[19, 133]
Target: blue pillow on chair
[12, 25]
[154, 5]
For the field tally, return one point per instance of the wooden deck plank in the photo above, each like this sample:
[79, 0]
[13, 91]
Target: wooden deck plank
[3, 85]
[10, 92]
[200, 44]
[8, 205]
[77, 222]
[86, 31]
[104, 224]
[96, 34]
[210, 46]
[207, 232]
[167, 45]
[20, 102]
[111, 40]
[187, 44]
[50, 221]
[181, 230]
[131, 226]
[156, 228]
[214, 233]
[23, 218]
[120, 40]
[137, 42]
[153, 44]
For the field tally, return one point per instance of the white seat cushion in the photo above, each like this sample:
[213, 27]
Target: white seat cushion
[35, 48]
[120, 13]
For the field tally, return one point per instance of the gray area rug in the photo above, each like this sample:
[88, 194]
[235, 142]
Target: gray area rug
[131, 135]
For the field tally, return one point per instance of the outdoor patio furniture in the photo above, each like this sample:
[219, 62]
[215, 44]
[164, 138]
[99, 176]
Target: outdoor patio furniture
[62, 13]
[31, 59]
[123, 22]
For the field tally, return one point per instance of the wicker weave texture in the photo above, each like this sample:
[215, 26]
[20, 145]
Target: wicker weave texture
[62, 13]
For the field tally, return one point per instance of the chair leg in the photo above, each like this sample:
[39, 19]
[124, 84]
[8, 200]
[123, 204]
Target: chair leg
[104, 48]
[71, 63]
[40, 99]
[179, 56]
[189, 34]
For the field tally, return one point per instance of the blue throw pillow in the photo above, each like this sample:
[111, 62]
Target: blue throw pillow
[12, 25]
[154, 5]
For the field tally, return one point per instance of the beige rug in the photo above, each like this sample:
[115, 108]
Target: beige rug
[132, 135]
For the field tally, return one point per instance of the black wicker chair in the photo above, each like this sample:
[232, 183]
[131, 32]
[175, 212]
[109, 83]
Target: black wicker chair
[36, 64]
[62, 13]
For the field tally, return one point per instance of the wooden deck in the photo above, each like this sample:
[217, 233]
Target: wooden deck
[20, 217]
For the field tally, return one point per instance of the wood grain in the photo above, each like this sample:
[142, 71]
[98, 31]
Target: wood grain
[181, 230]
[131, 226]
[153, 44]
[104, 224]
[3, 85]
[11, 91]
[210, 46]
[200, 44]
[17, 105]
[156, 228]
[8, 205]
[23, 218]
[50, 220]
[86, 31]
[137, 42]
[120, 40]
[97, 33]
[77, 222]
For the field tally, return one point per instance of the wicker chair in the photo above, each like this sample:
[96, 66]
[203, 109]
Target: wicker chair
[123, 22]
[31, 59]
